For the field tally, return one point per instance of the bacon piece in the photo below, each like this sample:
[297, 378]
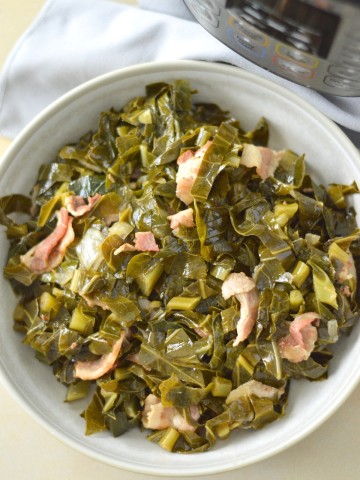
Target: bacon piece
[57, 255]
[77, 205]
[253, 387]
[347, 272]
[144, 242]
[189, 165]
[244, 289]
[344, 265]
[264, 159]
[50, 252]
[185, 218]
[126, 247]
[158, 417]
[298, 345]
[91, 370]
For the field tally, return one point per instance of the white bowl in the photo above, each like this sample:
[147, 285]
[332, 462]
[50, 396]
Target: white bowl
[294, 124]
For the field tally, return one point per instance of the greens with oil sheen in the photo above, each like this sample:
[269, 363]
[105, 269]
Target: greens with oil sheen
[288, 233]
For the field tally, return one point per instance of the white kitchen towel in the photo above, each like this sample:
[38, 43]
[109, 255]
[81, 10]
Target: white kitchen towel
[73, 41]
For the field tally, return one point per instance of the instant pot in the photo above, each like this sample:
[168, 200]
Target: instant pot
[315, 43]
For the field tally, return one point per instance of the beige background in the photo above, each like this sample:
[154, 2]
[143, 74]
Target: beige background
[29, 452]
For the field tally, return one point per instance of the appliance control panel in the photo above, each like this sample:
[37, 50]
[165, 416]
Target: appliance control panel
[315, 43]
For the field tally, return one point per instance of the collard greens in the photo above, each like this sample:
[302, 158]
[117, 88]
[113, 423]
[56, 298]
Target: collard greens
[152, 325]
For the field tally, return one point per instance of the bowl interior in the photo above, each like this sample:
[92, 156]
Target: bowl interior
[293, 124]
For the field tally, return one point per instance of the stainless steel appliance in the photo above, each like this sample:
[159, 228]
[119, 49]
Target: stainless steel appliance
[315, 43]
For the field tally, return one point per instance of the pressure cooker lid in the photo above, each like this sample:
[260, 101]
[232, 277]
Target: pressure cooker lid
[315, 43]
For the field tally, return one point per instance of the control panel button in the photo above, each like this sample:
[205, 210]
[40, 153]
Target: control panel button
[293, 68]
[344, 72]
[243, 41]
[250, 20]
[342, 83]
[242, 27]
[299, 45]
[208, 11]
[297, 56]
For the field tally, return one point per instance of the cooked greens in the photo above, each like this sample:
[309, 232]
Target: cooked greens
[183, 269]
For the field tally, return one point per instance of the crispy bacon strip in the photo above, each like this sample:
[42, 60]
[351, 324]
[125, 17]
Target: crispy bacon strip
[158, 417]
[91, 370]
[298, 345]
[244, 289]
[49, 253]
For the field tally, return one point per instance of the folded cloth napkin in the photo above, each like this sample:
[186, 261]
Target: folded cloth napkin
[73, 41]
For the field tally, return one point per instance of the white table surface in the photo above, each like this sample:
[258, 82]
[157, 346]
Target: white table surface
[29, 452]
